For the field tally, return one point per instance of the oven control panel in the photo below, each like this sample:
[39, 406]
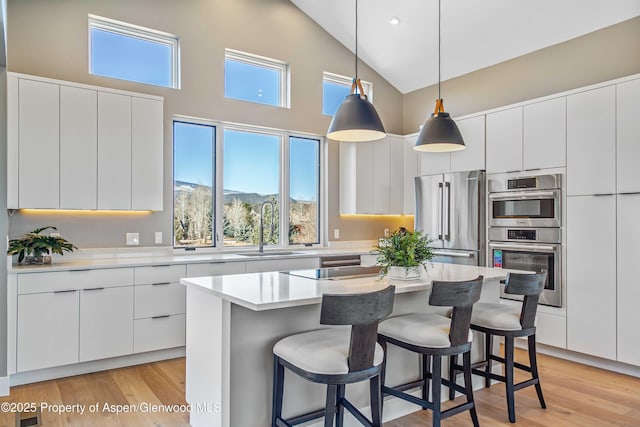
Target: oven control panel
[522, 183]
[525, 235]
[522, 235]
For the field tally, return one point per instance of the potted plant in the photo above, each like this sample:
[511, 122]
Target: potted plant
[403, 253]
[35, 248]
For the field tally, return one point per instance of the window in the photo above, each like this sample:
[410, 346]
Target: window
[334, 90]
[256, 165]
[129, 52]
[193, 184]
[256, 79]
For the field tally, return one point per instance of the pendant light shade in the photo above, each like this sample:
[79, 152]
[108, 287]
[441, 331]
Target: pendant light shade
[440, 133]
[356, 118]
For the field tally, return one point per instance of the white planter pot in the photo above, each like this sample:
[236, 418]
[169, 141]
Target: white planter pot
[404, 273]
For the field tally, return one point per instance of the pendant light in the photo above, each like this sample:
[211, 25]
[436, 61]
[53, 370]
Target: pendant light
[356, 118]
[440, 133]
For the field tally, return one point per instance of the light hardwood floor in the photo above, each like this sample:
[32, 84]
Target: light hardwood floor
[576, 395]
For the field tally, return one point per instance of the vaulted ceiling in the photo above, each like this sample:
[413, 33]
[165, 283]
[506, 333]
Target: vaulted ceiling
[475, 33]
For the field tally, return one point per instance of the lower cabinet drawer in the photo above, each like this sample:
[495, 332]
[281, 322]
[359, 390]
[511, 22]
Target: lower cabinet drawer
[156, 333]
[157, 300]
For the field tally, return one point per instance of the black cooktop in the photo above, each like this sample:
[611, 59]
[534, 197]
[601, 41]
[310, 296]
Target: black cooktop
[336, 273]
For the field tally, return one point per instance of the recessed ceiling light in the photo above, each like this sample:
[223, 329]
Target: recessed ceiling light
[394, 21]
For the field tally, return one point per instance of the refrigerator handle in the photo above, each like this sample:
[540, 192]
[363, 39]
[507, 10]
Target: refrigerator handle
[440, 201]
[447, 205]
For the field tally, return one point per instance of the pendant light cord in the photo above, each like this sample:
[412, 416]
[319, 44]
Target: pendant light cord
[439, 42]
[356, 39]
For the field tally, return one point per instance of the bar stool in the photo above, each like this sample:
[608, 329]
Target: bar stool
[510, 322]
[336, 356]
[434, 336]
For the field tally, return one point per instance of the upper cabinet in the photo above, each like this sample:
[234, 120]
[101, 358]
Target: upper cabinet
[371, 176]
[410, 169]
[504, 141]
[74, 146]
[545, 134]
[591, 142]
[472, 157]
[628, 136]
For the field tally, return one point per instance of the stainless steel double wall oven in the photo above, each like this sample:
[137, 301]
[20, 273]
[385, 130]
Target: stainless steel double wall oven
[525, 219]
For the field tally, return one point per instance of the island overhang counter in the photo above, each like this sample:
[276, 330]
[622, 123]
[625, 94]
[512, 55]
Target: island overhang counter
[233, 321]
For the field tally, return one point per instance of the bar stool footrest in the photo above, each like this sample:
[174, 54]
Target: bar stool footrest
[300, 419]
[355, 412]
[527, 383]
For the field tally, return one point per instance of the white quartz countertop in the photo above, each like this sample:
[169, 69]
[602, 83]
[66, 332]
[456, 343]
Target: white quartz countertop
[116, 260]
[273, 290]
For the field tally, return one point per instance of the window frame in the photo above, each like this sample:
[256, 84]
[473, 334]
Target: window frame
[346, 81]
[281, 67]
[138, 32]
[284, 196]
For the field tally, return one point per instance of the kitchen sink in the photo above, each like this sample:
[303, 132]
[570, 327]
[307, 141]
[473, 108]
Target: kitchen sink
[269, 253]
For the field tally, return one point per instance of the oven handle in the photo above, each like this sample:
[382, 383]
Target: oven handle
[523, 194]
[523, 247]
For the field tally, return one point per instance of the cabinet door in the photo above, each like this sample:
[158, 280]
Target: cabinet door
[472, 157]
[114, 151]
[78, 148]
[13, 141]
[545, 134]
[347, 178]
[628, 279]
[591, 142]
[364, 177]
[591, 275]
[39, 144]
[47, 330]
[147, 154]
[434, 163]
[396, 174]
[628, 135]
[410, 172]
[381, 176]
[504, 141]
[106, 322]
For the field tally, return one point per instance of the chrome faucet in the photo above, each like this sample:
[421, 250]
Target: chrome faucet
[261, 233]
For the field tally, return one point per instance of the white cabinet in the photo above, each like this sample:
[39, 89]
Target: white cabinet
[545, 134]
[410, 171]
[628, 279]
[371, 176]
[78, 148]
[282, 264]
[472, 157]
[106, 322]
[504, 141]
[39, 144]
[591, 275]
[434, 163]
[159, 332]
[74, 146]
[114, 148]
[628, 136]
[146, 154]
[47, 330]
[216, 269]
[591, 142]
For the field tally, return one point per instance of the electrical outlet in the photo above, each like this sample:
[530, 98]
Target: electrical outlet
[133, 239]
[54, 234]
[386, 232]
[336, 233]
[158, 238]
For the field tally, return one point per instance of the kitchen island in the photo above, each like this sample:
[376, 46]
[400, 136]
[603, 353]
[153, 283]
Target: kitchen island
[233, 321]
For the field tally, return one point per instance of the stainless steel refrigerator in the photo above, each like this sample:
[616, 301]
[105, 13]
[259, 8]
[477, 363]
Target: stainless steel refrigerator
[451, 208]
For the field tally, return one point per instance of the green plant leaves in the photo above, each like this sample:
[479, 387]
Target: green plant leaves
[35, 244]
[404, 249]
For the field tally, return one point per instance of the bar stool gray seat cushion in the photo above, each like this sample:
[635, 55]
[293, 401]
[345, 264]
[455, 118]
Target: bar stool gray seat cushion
[419, 329]
[496, 316]
[322, 352]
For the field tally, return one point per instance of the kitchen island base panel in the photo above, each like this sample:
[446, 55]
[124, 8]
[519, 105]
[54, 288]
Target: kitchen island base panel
[229, 360]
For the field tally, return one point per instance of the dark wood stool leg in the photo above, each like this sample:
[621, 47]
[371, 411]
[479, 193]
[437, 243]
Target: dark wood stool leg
[533, 362]
[426, 373]
[330, 405]
[436, 389]
[278, 383]
[468, 386]
[453, 361]
[375, 389]
[488, 348]
[508, 355]
[340, 407]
